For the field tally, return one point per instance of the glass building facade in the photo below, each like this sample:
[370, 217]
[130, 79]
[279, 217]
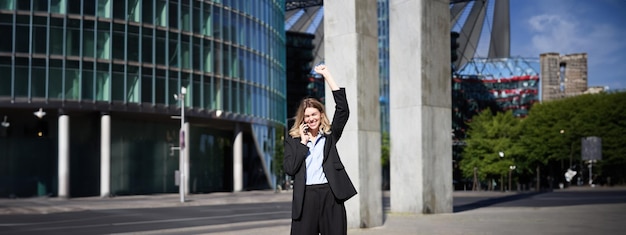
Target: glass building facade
[127, 59]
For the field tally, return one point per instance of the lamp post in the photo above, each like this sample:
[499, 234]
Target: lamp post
[511, 168]
[181, 145]
[501, 154]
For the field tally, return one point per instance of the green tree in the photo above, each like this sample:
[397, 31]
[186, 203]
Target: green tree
[553, 132]
[491, 145]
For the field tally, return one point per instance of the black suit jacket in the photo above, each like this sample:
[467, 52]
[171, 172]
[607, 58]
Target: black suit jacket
[296, 152]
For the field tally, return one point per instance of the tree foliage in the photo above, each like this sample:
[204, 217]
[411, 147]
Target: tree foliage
[550, 137]
[491, 145]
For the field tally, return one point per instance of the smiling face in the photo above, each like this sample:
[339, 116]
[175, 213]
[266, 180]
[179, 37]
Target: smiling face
[312, 117]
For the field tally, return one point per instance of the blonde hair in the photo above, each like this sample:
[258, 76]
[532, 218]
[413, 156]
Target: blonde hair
[299, 118]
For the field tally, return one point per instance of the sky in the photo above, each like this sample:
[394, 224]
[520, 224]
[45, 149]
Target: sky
[596, 27]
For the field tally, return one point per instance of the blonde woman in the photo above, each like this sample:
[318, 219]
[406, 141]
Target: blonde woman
[321, 184]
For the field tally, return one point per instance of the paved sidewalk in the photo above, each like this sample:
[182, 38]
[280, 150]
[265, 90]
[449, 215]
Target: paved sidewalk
[480, 216]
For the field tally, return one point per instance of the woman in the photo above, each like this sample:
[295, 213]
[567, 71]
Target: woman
[321, 184]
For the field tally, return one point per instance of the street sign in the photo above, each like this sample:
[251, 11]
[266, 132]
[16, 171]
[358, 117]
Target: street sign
[591, 148]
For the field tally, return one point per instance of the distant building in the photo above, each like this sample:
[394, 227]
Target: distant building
[101, 78]
[563, 76]
[496, 84]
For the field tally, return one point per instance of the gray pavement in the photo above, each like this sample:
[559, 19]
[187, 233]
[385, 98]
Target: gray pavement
[597, 210]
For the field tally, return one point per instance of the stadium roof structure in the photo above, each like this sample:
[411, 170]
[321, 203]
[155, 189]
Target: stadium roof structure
[494, 68]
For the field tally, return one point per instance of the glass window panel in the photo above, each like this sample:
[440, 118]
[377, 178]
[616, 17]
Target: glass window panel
[174, 49]
[117, 80]
[58, 6]
[227, 91]
[72, 77]
[186, 55]
[227, 61]
[5, 81]
[160, 50]
[23, 5]
[217, 23]
[22, 34]
[7, 5]
[119, 9]
[21, 81]
[216, 93]
[72, 41]
[103, 83]
[133, 47]
[73, 6]
[38, 82]
[56, 40]
[133, 85]
[217, 60]
[40, 5]
[207, 96]
[147, 86]
[207, 20]
[233, 27]
[161, 13]
[159, 90]
[196, 51]
[89, 8]
[134, 10]
[226, 24]
[173, 14]
[87, 91]
[195, 90]
[104, 8]
[197, 19]
[88, 41]
[6, 41]
[208, 57]
[172, 88]
[118, 45]
[103, 45]
[54, 85]
[146, 46]
[185, 17]
[147, 12]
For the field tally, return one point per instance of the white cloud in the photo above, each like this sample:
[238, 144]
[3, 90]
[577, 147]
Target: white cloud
[565, 34]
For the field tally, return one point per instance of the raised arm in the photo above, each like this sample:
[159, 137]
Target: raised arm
[323, 70]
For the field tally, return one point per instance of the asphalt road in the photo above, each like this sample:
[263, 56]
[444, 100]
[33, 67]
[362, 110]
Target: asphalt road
[148, 219]
[541, 211]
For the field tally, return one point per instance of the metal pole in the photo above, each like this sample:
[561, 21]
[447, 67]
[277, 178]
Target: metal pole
[590, 172]
[510, 171]
[181, 145]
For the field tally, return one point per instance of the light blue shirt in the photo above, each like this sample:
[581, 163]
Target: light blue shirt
[314, 171]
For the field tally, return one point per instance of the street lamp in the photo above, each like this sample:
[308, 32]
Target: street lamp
[181, 145]
[511, 168]
[501, 175]
[39, 113]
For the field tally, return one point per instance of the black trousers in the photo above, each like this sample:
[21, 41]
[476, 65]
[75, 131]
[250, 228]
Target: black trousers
[321, 213]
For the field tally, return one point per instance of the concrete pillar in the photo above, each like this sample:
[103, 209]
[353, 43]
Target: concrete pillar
[420, 107]
[186, 158]
[238, 159]
[64, 156]
[351, 49]
[105, 155]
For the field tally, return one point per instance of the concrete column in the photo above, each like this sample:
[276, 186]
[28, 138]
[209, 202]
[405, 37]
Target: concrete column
[351, 49]
[420, 107]
[186, 158]
[105, 155]
[64, 156]
[238, 159]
